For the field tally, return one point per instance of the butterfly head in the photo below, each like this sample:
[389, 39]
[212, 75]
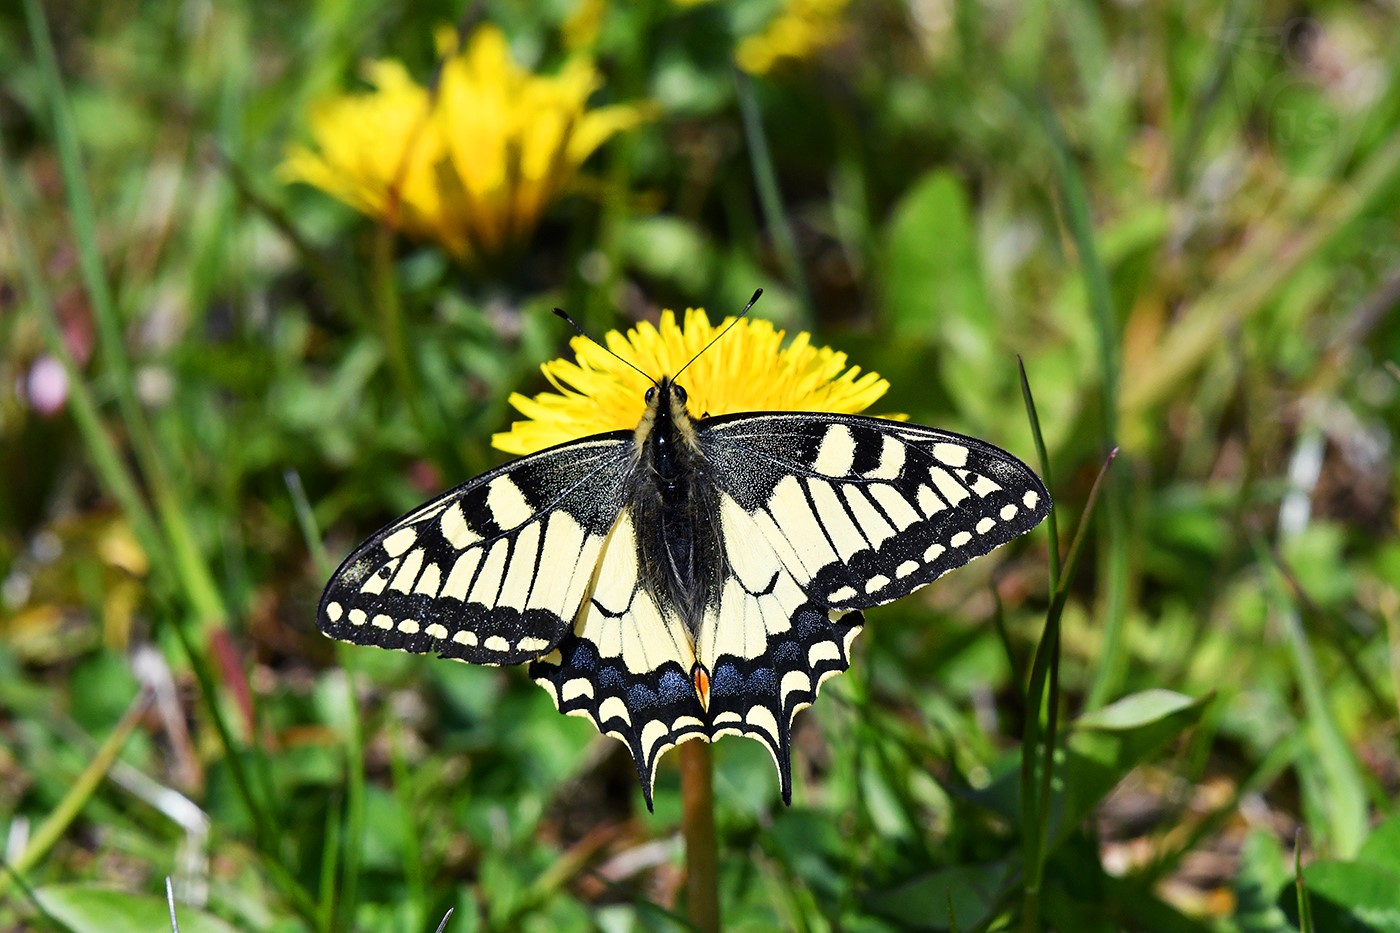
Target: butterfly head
[666, 431]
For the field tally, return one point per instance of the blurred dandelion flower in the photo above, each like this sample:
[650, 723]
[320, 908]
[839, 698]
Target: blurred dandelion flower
[799, 30]
[750, 371]
[470, 165]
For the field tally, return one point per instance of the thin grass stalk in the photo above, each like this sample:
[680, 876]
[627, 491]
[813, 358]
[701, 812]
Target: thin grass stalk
[770, 196]
[1018, 674]
[192, 573]
[48, 833]
[111, 468]
[1227, 53]
[1052, 522]
[410, 836]
[1332, 631]
[347, 856]
[11, 876]
[170, 902]
[1113, 589]
[561, 872]
[355, 790]
[1345, 797]
[698, 831]
[1037, 745]
[1034, 826]
[1305, 920]
[266, 836]
[332, 844]
[389, 303]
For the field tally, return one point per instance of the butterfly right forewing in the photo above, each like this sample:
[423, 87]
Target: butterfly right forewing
[864, 510]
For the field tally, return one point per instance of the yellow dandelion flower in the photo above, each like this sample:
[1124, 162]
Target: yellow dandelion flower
[750, 370]
[801, 29]
[471, 166]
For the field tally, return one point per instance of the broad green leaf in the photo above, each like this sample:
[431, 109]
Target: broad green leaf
[1101, 748]
[84, 907]
[934, 293]
[1382, 847]
[1136, 711]
[1348, 897]
[1106, 744]
[672, 250]
[1263, 872]
[964, 895]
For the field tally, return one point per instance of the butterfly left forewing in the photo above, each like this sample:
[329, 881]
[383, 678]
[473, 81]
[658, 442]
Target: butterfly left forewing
[492, 571]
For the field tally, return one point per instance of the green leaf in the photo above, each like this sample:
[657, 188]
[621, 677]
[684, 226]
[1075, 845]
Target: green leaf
[1348, 897]
[1263, 872]
[1382, 847]
[1108, 743]
[1101, 748]
[1137, 711]
[84, 907]
[961, 897]
[670, 249]
[934, 293]
[933, 274]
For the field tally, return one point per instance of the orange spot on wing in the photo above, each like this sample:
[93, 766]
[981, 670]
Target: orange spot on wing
[701, 679]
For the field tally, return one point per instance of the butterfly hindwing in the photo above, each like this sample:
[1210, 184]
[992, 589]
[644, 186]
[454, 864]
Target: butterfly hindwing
[767, 646]
[627, 664]
[863, 510]
[492, 571]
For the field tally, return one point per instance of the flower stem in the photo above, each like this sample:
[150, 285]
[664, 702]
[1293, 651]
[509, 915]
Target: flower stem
[698, 829]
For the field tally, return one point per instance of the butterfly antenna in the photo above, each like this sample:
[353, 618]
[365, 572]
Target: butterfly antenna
[589, 337]
[715, 340]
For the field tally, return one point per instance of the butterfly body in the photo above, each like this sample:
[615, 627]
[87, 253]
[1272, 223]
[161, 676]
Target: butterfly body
[673, 506]
[688, 579]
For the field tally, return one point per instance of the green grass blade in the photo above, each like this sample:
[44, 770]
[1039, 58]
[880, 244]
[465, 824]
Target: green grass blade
[770, 196]
[1344, 801]
[106, 459]
[1038, 744]
[1113, 578]
[342, 855]
[48, 833]
[192, 573]
[1305, 920]
[411, 837]
[1052, 522]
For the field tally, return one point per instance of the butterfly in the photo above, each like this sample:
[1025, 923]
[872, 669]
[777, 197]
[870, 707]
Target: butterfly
[689, 579]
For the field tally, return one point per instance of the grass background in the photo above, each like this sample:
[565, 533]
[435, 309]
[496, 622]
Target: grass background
[1183, 217]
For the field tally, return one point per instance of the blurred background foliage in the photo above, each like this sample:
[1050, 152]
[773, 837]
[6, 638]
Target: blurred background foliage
[1183, 217]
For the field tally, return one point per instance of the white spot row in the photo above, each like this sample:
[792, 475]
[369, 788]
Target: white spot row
[335, 611]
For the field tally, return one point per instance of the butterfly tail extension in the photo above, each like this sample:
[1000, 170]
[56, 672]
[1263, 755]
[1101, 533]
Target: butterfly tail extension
[627, 665]
[759, 695]
[650, 713]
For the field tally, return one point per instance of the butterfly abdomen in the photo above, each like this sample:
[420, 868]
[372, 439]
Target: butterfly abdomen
[673, 504]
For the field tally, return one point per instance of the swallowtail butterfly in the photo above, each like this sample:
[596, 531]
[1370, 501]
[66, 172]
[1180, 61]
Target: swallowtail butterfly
[691, 578]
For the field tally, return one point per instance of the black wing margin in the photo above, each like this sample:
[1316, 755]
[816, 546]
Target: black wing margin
[863, 510]
[492, 571]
